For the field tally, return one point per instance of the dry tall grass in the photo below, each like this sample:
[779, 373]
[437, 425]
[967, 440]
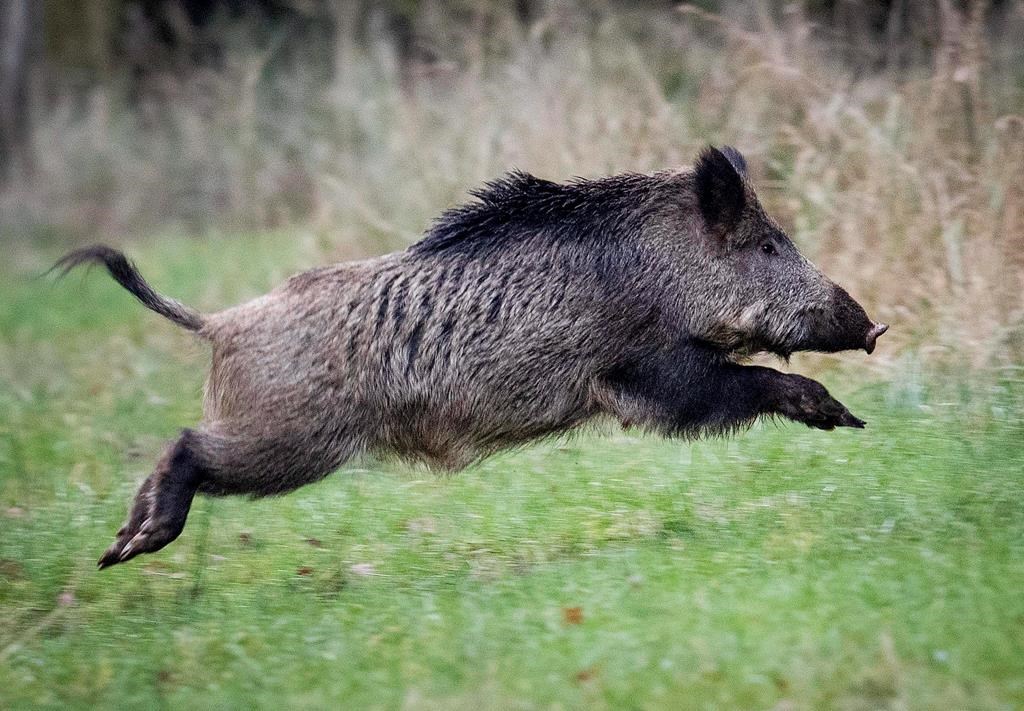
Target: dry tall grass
[906, 181]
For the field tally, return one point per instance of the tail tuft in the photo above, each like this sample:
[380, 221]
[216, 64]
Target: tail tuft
[125, 274]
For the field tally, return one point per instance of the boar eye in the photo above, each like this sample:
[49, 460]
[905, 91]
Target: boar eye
[768, 248]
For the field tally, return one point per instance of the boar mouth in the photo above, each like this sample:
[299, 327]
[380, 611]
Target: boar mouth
[830, 338]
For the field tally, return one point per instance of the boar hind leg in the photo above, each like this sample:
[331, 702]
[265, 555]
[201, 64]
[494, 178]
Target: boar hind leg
[217, 463]
[259, 463]
[161, 504]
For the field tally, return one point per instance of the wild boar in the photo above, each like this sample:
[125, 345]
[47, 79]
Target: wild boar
[533, 309]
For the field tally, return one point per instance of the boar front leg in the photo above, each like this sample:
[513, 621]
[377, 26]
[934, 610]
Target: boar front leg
[689, 392]
[792, 396]
[733, 396]
[804, 400]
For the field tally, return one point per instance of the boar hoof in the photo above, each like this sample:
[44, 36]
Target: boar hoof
[153, 535]
[808, 401]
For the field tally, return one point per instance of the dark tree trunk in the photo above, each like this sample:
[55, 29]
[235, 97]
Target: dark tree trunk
[20, 43]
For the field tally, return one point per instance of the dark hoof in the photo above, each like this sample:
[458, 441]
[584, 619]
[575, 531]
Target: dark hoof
[808, 401]
[153, 535]
[112, 556]
[850, 420]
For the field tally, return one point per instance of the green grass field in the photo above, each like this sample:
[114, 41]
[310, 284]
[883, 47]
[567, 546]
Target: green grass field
[784, 568]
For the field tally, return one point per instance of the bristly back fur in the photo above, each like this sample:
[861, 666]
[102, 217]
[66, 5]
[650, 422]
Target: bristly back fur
[520, 204]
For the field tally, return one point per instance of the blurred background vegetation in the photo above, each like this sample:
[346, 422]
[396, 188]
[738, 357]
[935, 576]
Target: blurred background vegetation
[888, 136]
[227, 144]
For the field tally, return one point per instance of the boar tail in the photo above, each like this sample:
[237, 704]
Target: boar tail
[125, 274]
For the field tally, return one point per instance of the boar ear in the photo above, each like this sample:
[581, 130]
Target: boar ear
[736, 159]
[718, 178]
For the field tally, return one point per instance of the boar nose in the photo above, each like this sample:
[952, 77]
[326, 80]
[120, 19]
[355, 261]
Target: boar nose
[876, 330]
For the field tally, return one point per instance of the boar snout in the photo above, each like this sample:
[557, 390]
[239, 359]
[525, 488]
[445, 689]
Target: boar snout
[874, 332]
[855, 330]
[843, 325]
